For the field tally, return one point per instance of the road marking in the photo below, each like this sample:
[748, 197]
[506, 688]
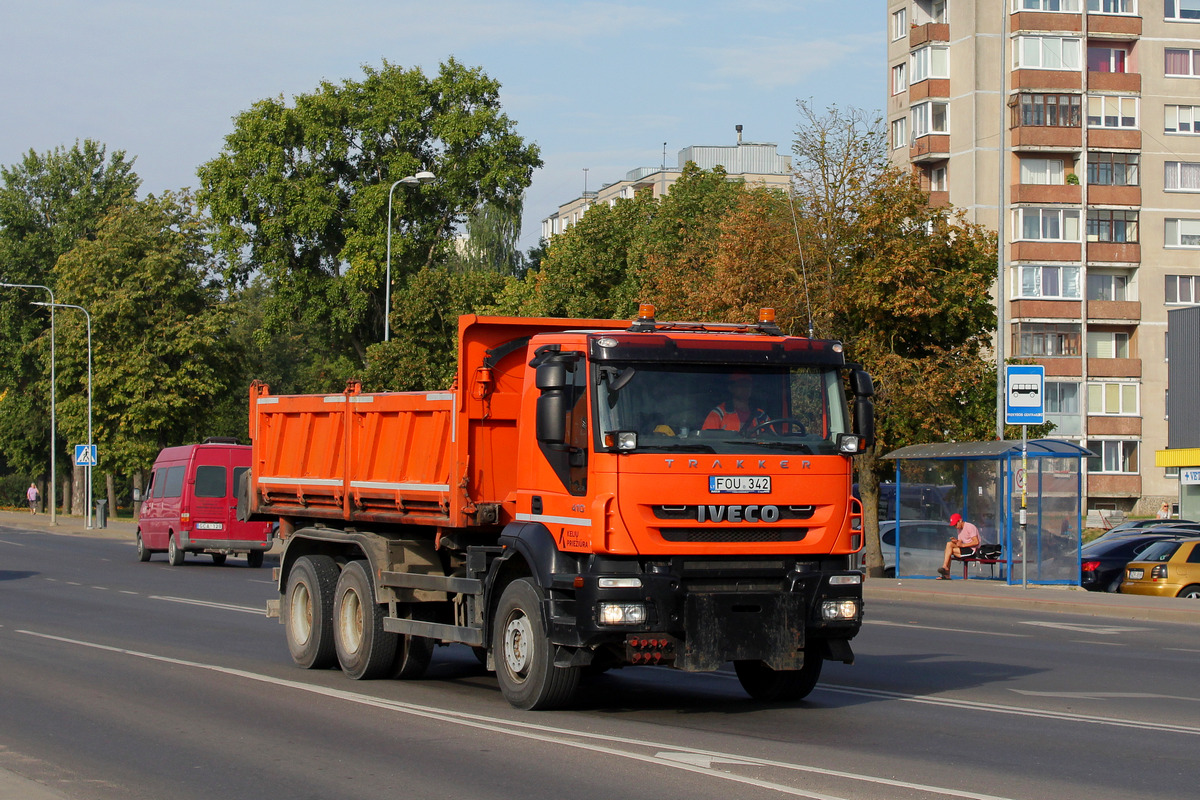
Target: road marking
[941, 629]
[1080, 627]
[662, 754]
[1107, 695]
[208, 604]
[14, 544]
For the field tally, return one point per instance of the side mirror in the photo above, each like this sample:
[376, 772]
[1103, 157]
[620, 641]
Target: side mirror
[861, 383]
[137, 495]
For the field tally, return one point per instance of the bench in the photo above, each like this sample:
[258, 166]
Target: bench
[990, 554]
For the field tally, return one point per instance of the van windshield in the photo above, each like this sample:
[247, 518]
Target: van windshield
[210, 481]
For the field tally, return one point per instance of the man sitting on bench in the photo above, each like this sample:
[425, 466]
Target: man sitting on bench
[964, 545]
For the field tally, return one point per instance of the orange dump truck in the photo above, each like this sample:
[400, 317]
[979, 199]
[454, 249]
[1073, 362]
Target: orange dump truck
[590, 494]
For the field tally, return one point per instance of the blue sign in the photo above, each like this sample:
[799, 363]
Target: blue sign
[85, 455]
[1025, 394]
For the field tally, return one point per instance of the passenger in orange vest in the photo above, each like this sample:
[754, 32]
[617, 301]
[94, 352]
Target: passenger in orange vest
[736, 414]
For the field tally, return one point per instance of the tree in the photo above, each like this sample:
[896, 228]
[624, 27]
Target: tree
[48, 202]
[300, 192]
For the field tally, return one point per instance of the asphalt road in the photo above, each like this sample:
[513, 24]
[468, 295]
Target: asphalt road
[130, 680]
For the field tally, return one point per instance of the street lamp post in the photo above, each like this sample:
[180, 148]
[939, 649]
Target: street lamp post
[88, 510]
[53, 437]
[420, 178]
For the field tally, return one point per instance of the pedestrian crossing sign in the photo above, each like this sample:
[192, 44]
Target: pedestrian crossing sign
[85, 455]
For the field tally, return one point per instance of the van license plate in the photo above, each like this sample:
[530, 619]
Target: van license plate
[739, 484]
[1136, 574]
[209, 526]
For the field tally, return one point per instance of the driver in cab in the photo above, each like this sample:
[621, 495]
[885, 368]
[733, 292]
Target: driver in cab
[736, 413]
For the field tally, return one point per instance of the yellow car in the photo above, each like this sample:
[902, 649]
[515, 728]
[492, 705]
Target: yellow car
[1170, 568]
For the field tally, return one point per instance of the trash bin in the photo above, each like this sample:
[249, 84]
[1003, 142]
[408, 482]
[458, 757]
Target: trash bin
[101, 516]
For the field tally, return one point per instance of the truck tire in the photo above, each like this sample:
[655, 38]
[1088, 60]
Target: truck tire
[174, 552]
[365, 650]
[308, 612]
[413, 654]
[254, 559]
[768, 685]
[523, 654]
[143, 552]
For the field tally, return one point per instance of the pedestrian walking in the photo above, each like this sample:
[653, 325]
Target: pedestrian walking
[32, 495]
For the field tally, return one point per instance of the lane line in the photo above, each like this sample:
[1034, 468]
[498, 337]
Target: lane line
[940, 629]
[665, 755]
[208, 604]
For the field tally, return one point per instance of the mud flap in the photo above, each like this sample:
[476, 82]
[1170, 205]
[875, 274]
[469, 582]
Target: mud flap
[736, 627]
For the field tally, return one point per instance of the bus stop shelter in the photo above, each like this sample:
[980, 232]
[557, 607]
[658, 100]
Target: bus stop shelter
[984, 482]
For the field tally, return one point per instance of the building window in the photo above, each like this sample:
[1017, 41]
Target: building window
[1182, 63]
[931, 61]
[899, 133]
[1182, 290]
[1113, 457]
[1107, 286]
[1045, 339]
[1062, 407]
[1182, 176]
[1112, 169]
[937, 179]
[1118, 399]
[1182, 232]
[1113, 6]
[1042, 171]
[1048, 52]
[929, 11]
[1048, 224]
[1072, 6]
[1182, 10]
[1107, 344]
[899, 78]
[1047, 282]
[1182, 119]
[899, 24]
[1112, 112]
[931, 118]
[1106, 59]
[1048, 110]
[1109, 225]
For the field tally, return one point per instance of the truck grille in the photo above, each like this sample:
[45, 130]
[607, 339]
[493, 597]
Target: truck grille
[740, 534]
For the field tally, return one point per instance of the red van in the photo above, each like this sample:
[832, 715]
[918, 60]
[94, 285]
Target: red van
[190, 505]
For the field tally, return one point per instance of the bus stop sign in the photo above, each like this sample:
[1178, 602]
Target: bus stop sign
[1025, 395]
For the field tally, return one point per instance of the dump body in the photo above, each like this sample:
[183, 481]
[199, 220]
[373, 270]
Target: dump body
[577, 488]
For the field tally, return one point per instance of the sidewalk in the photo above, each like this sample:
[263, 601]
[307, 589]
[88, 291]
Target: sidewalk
[70, 525]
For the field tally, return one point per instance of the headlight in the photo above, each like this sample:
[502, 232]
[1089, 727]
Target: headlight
[839, 610]
[845, 580]
[622, 614]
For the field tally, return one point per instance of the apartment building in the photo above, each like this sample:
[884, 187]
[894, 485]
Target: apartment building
[757, 164]
[1072, 127]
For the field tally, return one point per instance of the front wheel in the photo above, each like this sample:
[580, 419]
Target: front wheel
[524, 656]
[364, 649]
[768, 685]
[174, 553]
[254, 559]
[218, 558]
[308, 611]
[143, 552]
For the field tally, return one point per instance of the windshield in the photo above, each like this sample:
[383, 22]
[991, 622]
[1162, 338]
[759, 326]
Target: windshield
[691, 408]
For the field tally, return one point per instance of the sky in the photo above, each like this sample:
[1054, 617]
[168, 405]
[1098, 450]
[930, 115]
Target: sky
[598, 85]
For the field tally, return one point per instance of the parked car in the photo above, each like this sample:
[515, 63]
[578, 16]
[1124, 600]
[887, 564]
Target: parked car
[190, 505]
[1170, 568]
[1139, 526]
[1102, 565]
[922, 546]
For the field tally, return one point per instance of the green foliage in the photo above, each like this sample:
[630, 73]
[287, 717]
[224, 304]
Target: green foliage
[300, 192]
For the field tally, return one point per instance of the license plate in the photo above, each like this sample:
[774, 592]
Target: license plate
[209, 526]
[739, 484]
[1136, 574]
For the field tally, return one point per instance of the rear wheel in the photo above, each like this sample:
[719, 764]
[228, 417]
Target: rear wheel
[1191, 592]
[254, 559]
[523, 654]
[218, 558]
[308, 612]
[174, 553]
[143, 552]
[779, 685]
[364, 649]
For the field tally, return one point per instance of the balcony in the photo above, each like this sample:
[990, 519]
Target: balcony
[1046, 79]
[1022, 21]
[929, 32]
[1114, 311]
[1114, 367]
[1113, 252]
[1030, 193]
[1118, 26]
[1123, 82]
[1110, 139]
[1070, 367]
[939, 199]
[930, 87]
[1114, 426]
[1046, 137]
[1045, 251]
[1099, 195]
[1045, 309]
[932, 147]
[1114, 485]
